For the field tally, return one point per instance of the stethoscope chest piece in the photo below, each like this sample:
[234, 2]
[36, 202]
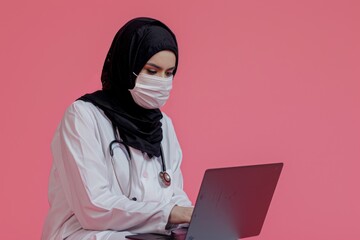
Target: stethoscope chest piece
[165, 178]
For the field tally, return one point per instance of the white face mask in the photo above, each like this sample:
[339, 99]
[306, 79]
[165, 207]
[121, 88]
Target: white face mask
[151, 91]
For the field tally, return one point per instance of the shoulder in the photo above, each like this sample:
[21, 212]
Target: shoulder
[167, 126]
[165, 118]
[82, 109]
[166, 121]
[82, 112]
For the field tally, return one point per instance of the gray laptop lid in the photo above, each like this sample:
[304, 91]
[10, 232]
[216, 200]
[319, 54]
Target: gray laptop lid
[233, 202]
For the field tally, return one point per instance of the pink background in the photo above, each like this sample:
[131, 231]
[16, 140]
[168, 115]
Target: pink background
[259, 81]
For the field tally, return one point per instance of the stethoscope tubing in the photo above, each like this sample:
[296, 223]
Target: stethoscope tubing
[129, 156]
[164, 176]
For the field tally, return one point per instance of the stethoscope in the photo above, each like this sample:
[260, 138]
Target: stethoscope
[164, 176]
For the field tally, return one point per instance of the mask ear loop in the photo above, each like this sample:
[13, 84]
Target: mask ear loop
[164, 176]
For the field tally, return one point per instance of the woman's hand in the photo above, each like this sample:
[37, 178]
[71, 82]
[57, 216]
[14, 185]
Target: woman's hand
[180, 215]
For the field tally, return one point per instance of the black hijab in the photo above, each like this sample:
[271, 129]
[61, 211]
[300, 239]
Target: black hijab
[133, 45]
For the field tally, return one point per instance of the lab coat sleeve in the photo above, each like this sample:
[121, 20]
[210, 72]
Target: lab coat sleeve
[84, 175]
[179, 197]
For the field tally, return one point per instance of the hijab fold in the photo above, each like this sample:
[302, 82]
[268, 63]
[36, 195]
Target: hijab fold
[133, 45]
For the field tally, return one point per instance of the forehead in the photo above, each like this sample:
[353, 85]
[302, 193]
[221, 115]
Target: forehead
[164, 59]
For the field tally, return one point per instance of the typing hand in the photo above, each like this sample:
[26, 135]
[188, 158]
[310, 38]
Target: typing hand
[180, 215]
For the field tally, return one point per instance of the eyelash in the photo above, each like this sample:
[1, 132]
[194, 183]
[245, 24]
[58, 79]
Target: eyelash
[153, 72]
[169, 74]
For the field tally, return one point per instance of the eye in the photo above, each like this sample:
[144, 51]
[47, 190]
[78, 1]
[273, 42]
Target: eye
[169, 74]
[151, 71]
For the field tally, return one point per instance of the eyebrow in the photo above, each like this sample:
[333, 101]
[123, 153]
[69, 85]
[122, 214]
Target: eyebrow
[158, 67]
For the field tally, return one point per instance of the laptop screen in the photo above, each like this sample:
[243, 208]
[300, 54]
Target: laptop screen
[232, 203]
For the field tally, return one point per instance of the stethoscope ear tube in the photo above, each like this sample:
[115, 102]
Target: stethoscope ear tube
[121, 143]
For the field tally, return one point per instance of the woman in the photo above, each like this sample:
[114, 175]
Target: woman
[116, 158]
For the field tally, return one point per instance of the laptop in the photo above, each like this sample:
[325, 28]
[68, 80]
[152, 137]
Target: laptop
[232, 203]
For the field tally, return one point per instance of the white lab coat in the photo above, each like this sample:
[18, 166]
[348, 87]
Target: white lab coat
[90, 198]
